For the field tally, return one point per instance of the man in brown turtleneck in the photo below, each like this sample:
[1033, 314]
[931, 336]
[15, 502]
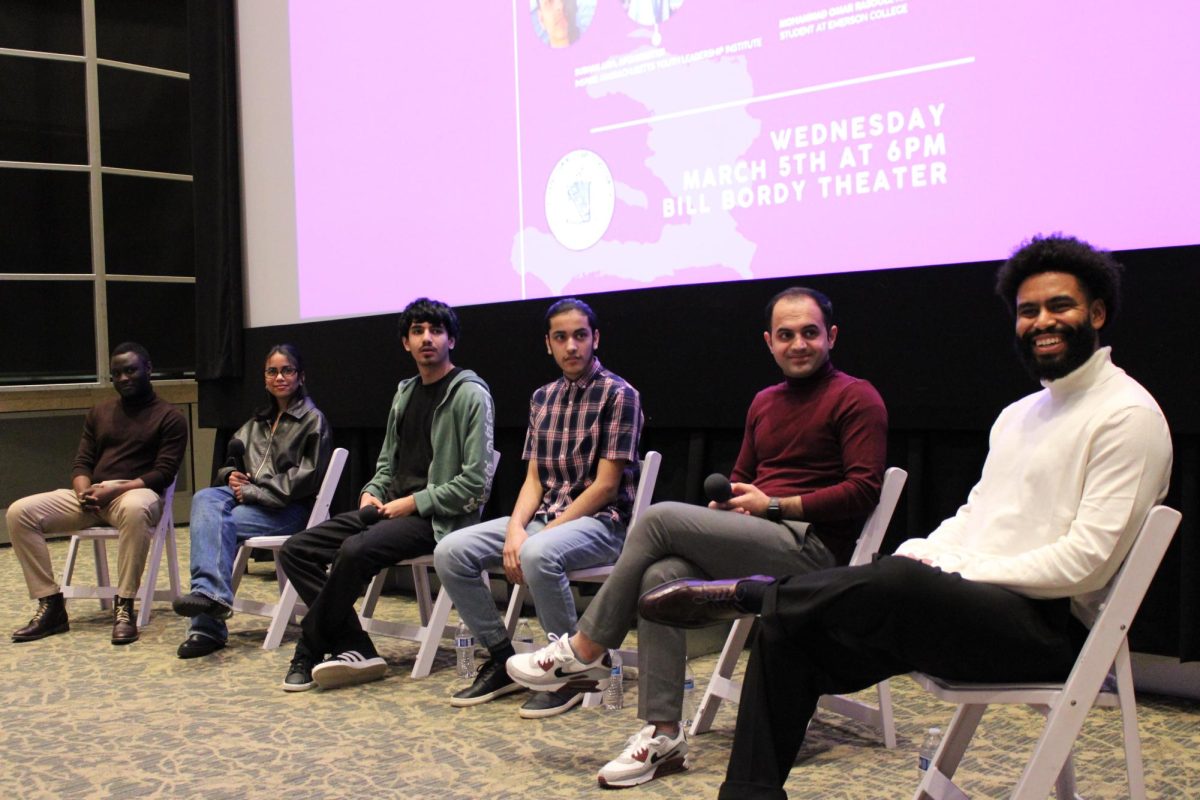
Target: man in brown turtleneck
[130, 451]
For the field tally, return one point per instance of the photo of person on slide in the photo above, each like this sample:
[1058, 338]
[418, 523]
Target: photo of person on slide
[559, 23]
[651, 12]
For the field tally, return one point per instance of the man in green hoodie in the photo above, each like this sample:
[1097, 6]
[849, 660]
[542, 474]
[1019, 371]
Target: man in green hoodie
[433, 476]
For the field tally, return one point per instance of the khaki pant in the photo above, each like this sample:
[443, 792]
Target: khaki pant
[134, 514]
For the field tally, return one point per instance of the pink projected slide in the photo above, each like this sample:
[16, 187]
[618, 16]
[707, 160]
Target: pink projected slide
[495, 151]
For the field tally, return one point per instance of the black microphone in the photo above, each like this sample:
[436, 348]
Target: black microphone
[235, 453]
[717, 488]
[369, 515]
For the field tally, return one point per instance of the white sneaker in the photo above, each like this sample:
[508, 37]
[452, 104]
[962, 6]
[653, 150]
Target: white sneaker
[555, 666]
[347, 669]
[645, 758]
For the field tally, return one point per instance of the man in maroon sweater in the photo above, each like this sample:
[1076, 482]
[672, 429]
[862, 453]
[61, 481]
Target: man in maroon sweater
[808, 474]
[129, 454]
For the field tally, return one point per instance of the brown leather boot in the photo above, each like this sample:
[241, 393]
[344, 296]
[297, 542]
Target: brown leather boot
[124, 623]
[49, 619]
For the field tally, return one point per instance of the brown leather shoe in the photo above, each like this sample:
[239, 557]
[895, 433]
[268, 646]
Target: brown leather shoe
[124, 624]
[692, 603]
[49, 619]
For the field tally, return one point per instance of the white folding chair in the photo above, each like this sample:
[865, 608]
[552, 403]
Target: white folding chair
[283, 610]
[721, 685]
[162, 537]
[435, 615]
[1064, 705]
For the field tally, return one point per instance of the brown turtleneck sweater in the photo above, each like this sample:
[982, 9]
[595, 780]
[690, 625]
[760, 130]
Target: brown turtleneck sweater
[130, 439]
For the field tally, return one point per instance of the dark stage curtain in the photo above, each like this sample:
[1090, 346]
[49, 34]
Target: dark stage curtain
[212, 51]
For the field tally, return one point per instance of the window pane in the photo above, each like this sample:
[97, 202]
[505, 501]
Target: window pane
[148, 32]
[144, 121]
[51, 26]
[148, 226]
[44, 221]
[162, 317]
[46, 332]
[42, 111]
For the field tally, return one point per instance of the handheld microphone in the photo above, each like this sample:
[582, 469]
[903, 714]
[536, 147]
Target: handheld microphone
[369, 515]
[235, 453]
[717, 488]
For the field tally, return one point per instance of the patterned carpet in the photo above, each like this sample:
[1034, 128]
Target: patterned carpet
[80, 718]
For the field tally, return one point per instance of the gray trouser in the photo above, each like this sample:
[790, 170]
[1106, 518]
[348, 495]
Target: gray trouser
[675, 540]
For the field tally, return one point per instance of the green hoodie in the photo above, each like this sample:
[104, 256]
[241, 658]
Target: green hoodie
[460, 475]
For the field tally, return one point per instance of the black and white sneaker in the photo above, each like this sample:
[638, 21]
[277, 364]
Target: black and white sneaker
[551, 704]
[491, 682]
[299, 676]
[555, 666]
[347, 669]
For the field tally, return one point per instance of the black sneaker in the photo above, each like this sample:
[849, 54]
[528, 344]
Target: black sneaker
[551, 704]
[491, 682]
[299, 676]
[193, 604]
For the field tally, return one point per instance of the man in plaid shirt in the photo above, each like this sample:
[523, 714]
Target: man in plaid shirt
[582, 453]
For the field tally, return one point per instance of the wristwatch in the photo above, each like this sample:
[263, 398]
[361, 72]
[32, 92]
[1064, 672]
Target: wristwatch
[774, 510]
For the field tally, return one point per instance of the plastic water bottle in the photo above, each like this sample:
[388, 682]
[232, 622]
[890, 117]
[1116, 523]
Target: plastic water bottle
[928, 747]
[464, 649]
[523, 638]
[689, 696]
[614, 698]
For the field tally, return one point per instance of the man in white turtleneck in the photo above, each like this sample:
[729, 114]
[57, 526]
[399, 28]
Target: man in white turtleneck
[997, 592]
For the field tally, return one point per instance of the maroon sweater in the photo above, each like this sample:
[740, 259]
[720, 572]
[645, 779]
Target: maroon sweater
[127, 440]
[824, 438]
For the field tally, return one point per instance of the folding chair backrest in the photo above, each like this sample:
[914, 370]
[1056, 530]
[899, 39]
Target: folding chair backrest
[647, 477]
[329, 484]
[877, 524]
[1126, 592]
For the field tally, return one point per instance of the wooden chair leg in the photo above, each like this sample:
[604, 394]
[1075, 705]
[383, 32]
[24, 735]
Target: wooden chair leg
[100, 550]
[1129, 724]
[720, 687]
[432, 633]
[288, 599]
[938, 781]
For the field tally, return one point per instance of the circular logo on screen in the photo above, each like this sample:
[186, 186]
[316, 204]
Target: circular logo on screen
[579, 199]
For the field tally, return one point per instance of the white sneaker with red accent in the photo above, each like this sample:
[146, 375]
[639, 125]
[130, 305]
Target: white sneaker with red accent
[555, 666]
[645, 758]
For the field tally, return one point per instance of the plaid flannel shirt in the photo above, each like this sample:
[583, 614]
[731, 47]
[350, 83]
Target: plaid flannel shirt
[572, 425]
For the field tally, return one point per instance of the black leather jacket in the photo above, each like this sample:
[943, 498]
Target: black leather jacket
[287, 465]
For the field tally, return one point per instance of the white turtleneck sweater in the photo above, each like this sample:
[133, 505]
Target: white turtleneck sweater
[1071, 473]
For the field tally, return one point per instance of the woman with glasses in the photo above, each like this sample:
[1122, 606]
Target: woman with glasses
[275, 466]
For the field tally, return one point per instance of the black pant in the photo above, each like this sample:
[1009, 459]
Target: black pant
[845, 629]
[354, 553]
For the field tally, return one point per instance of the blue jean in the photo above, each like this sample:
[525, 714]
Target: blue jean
[462, 556]
[219, 525]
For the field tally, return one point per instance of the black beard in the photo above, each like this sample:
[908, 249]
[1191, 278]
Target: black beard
[1080, 343]
[140, 392]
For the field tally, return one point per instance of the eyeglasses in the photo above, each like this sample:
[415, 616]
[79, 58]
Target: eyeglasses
[275, 372]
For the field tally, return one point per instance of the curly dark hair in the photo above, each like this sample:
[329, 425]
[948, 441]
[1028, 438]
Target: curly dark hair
[425, 310]
[1096, 270]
